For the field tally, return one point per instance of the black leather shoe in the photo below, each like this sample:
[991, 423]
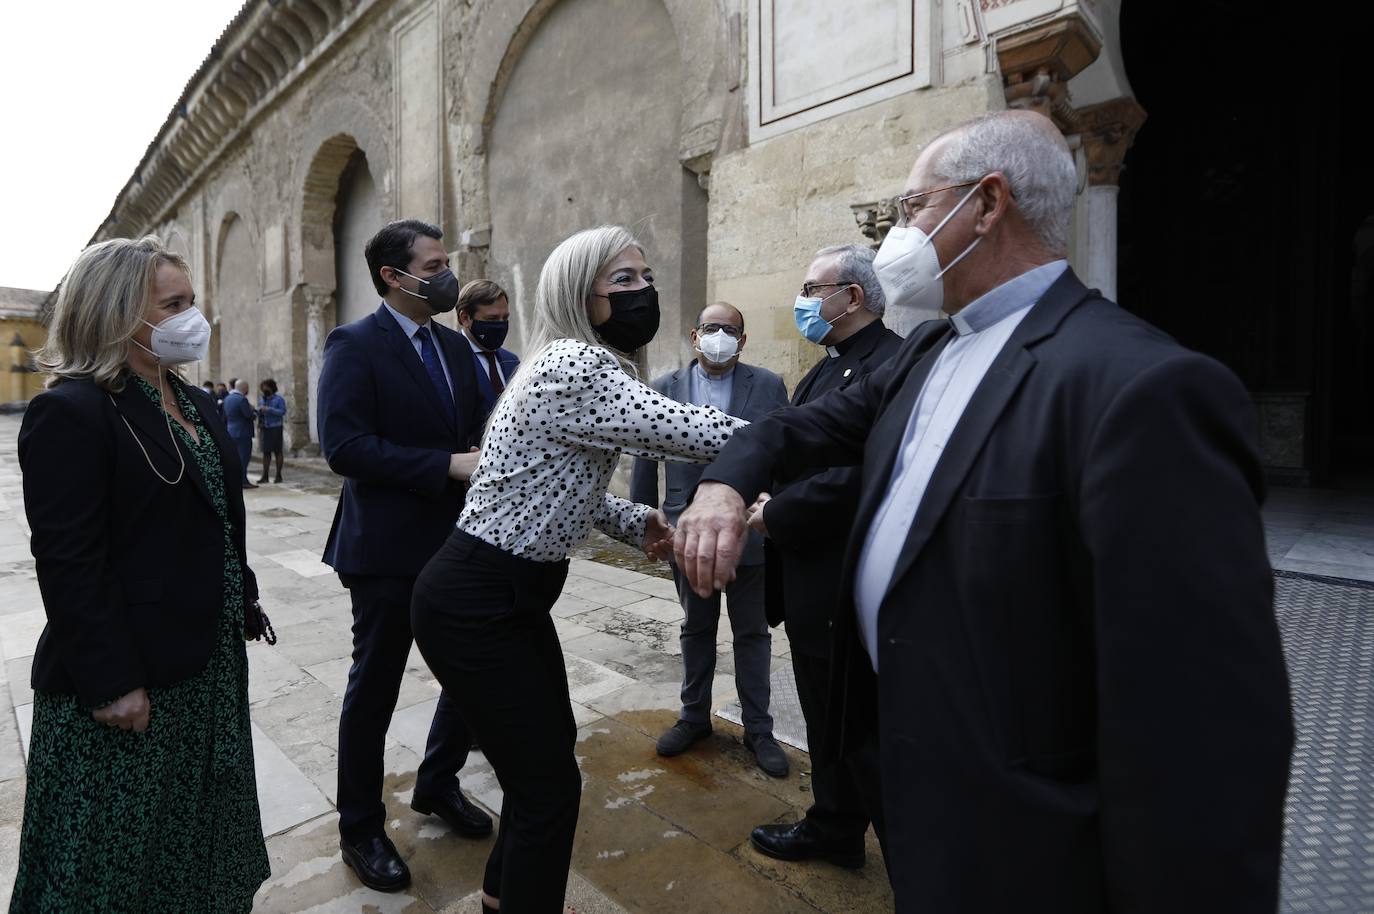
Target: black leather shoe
[456, 810]
[681, 737]
[800, 842]
[768, 754]
[376, 862]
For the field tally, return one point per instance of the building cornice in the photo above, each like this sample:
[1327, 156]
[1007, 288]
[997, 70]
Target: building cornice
[267, 47]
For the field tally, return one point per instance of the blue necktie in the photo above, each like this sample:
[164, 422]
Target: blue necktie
[429, 354]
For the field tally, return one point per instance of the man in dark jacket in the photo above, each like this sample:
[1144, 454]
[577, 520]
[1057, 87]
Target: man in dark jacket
[1056, 604]
[807, 519]
[398, 411]
[718, 378]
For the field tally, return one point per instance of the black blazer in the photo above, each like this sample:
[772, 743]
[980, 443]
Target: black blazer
[1082, 702]
[754, 393]
[130, 568]
[809, 515]
[383, 429]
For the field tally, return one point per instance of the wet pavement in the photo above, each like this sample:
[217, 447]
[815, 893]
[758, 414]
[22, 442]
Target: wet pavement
[671, 835]
[662, 835]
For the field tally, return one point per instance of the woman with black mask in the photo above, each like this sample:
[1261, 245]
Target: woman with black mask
[480, 610]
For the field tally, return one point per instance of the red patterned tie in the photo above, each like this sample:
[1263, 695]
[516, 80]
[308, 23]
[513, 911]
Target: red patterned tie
[494, 373]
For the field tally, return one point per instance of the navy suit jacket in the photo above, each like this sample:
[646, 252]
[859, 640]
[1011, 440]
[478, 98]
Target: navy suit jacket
[508, 361]
[754, 394]
[383, 429]
[239, 415]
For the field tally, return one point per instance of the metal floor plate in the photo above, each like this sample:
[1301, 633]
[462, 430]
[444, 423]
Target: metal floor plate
[1328, 637]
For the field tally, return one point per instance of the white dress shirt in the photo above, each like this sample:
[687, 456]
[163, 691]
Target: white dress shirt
[981, 331]
[408, 327]
[556, 437]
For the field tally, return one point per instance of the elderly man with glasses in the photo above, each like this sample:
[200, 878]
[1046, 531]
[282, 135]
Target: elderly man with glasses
[717, 377]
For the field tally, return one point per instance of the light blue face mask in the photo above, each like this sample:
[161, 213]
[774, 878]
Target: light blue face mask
[807, 313]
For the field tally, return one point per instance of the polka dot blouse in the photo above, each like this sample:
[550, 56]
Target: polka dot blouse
[555, 439]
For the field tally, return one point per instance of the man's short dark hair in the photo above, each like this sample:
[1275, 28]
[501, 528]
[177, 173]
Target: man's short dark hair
[209, 384]
[478, 294]
[724, 304]
[392, 247]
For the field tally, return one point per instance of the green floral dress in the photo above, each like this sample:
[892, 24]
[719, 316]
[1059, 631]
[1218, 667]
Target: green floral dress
[161, 821]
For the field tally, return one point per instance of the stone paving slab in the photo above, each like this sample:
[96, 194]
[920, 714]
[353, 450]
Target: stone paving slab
[654, 834]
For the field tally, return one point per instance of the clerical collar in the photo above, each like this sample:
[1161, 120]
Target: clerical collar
[849, 342]
[1016, 294]
[701, 373]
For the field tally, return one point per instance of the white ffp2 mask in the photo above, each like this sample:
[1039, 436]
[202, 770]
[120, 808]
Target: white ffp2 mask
[181, 338]
[909, 271]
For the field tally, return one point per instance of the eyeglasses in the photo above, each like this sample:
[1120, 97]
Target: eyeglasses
[808, 289]
[907, 205]
[727, 329]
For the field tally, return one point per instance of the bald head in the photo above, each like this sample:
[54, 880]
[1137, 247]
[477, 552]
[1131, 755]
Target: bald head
[1028, 150]
[241, 386]
[721, 312]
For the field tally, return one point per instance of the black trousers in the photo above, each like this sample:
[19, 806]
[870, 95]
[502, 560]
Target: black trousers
[481, 620]
[381, 645]
[843, 793]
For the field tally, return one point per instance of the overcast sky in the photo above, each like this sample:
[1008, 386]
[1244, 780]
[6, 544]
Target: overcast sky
[84, 87]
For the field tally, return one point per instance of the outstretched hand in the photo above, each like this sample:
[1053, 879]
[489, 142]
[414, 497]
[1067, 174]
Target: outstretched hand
[658, 536]
[710, 537]
[756, 514]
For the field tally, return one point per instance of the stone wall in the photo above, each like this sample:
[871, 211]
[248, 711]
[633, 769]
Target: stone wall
[512, 123]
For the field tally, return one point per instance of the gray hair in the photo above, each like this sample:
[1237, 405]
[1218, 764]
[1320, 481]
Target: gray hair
[103, 300]
[1035, 160]
[855, 264]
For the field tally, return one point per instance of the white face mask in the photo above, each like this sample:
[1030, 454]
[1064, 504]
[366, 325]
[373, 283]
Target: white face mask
[181, 338]
[909, 272]
[718, 348]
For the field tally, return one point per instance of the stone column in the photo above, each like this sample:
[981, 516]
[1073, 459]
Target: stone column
[317, 304]
[1106, 131]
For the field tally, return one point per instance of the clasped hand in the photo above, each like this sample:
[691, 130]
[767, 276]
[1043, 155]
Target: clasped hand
[130, 712]
[658, 536]
[710, 537]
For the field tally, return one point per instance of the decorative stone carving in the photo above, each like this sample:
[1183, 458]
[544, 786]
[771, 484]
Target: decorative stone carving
[875, 218]
[1107, 131]
[1038, 63]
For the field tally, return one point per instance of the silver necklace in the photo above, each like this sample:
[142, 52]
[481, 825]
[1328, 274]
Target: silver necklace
[181, 471]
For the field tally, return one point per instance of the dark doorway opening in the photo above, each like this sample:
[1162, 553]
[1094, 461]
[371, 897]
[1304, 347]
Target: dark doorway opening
[1246, 216]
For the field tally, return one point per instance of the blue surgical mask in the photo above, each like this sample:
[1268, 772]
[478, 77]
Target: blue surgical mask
[807, 313]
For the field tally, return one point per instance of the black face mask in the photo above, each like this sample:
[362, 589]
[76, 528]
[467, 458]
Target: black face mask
[633, 321]
[489, 334]
[439, 291]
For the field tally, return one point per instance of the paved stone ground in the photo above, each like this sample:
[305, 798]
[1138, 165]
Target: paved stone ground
[654, 834]
[661, 835]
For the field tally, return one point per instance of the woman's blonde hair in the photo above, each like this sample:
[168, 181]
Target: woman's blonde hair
[566, 284]
[103, 299]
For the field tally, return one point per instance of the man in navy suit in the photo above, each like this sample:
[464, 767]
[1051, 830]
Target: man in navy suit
[484, 315]
[398, 414]
[718, 378]
[240, 416]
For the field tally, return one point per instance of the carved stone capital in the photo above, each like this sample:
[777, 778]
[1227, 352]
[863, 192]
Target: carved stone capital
[1107, 131]
[1038, 63]
[317, 301]
[875, 218]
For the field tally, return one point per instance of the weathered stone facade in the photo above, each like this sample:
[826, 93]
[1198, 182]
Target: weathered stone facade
[512, 123]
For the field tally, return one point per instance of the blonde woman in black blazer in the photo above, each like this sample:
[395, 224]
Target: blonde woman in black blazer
[141, 792]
